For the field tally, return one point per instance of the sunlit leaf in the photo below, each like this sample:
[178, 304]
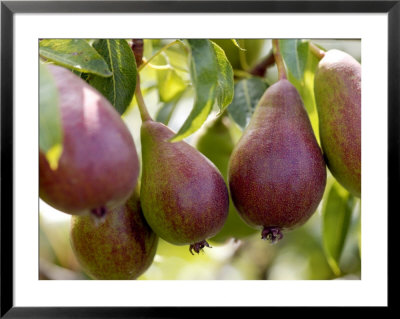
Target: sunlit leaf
[120, 87]
[50, 130]
[204, 74]
[305, 87]
[225, 79]
[170, 84]
[247, 94]
[75, 54]
[178, 59]
[236, 43]
[336, 214]
[53, 155]
[295, 55]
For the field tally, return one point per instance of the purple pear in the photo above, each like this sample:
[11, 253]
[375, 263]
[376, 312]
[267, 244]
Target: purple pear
[184, 197]
[99, 166]
[277, 173]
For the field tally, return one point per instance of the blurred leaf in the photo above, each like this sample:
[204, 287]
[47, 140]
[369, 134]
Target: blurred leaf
[295, 55]
[178, 59]
[358, 212]
[203, 69]
[303, 254]
[170, 84]
[247, 94]
[242, 55]
[50, 130]
[225, 79]
[120, 87]
[46, 250]
[165, 111]
[57, 234]
[75, 54]
[236, 43]
[148, 48]
[336, 214]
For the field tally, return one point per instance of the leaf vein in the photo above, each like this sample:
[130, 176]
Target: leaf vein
[113, 73]
[247, 96]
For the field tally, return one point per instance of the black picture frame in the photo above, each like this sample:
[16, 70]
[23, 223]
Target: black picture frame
[9, 8]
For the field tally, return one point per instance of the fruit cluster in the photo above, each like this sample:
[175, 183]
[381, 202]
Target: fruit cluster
[272, 178]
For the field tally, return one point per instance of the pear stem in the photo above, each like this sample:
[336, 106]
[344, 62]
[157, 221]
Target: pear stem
[197, 247]
[272, 234]
[99, 212]
[242, 55]
[261, 68]
[279, 60]
[242, 74]
[137, 48]
[316, 51]
[144, 113]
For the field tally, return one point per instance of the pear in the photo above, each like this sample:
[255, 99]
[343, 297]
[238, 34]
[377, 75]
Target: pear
[99, 166]
[121, 247]
[184, 197]
[216, 142]
[277, 173]
[337, 88]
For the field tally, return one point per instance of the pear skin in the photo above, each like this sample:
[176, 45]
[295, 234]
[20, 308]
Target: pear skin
[184, 197]
[120, 247]
[99, 166]
[337, 88]
[277, 173]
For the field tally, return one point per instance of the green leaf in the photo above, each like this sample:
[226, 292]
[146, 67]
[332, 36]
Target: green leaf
[305, 87]
[165, 111]
[50, 130]
[236, 43]
[170, 84]
[336, 216]
[247, 94]
[75, 54]
[357, 210]
[178, 59]
[225, 85]
[120, 87]
[204, 74]
[295, 55]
